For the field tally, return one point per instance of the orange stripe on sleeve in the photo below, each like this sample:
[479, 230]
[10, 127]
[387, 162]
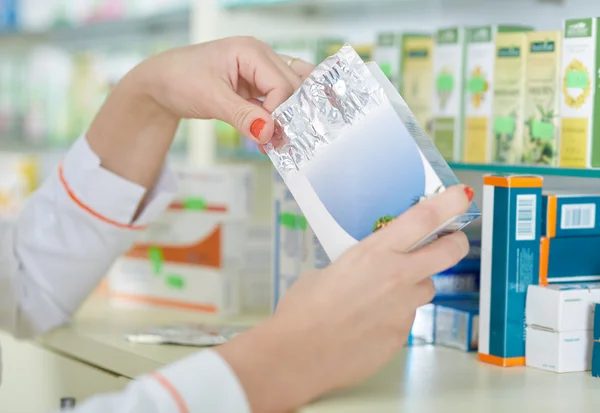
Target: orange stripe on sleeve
[89, 210]
[173, 392]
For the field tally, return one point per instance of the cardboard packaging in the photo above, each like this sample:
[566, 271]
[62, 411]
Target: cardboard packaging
[449, 286]
[255, 280]
[596, 359]
[423, 329]
[511, 221]
[480, 65]
[295, 247]
[597, 320]
[509, 97]
[569, 259]
[342, 205]
[192, 257]
[560, 352]
[562, 307]
[457, 324]
[570, 215]
[390, 52]
[542, 100]
[559, 326]
[416, 86]
[448, 96]
[580, 137]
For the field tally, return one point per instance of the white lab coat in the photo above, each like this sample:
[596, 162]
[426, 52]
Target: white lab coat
[58, 250]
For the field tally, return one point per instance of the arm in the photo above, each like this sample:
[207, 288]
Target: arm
[109, 186]
[200, 383]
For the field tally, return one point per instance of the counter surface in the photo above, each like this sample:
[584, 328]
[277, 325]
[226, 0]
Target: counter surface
[420, 379]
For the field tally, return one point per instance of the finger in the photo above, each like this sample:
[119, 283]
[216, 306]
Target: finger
[437, 256]
[287, 71]
[249, 119]
[425, 292]
[299, 66]
[423, 219]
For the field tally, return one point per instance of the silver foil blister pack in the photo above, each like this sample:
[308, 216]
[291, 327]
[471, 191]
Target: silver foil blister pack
[197, 335]
[353, 155]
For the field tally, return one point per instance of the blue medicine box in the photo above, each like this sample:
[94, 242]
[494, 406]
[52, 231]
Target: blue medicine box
[510, 247]
[456, 324]
[597, 322]
[566, 215]
[596, 359]
[569, 259]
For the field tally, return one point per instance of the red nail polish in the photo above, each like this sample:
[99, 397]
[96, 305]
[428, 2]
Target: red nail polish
[469, 193]
[257, 127]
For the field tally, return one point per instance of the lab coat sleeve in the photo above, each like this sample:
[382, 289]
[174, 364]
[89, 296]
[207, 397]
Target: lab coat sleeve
[202, 383]
[66, 238]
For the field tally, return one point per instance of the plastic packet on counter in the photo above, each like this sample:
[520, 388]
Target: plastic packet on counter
[353, 155]
[197, 335]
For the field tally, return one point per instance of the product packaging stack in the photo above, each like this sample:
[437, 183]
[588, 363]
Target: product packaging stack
[570, 228]
[457, 324]
[560, 322]
[596, 345]
[193, 256]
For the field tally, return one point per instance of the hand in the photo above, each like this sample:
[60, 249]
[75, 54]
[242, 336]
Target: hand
[338, 326]
[223, 80]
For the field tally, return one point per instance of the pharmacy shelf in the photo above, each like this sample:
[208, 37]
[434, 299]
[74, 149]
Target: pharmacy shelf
[240, 155]
[169, 22]
[526, 170]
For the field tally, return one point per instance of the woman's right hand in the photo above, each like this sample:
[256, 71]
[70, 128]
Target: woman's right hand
[339, 325]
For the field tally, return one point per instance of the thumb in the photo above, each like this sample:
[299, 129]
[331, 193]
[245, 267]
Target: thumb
[250, 119]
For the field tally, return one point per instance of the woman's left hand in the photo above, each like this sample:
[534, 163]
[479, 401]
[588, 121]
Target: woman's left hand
[223, 80]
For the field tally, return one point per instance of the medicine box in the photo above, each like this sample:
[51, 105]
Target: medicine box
[312, 50]
[570, 259]
[510, 244]
[542, 100]
[255, 280]
[456, 286]
[192, 257]
[597, 320]
[479, 75]
[416, 86]
[422, 331]
[562, 307]
[596, 359]
[580, 141]
[448, 96]
[509, 97]
[295, 247]
[457, 324]
[560, 352]
[570, 215]
[389, 54]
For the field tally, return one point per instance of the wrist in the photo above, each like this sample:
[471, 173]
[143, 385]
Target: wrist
[275, 366]
[132, 133]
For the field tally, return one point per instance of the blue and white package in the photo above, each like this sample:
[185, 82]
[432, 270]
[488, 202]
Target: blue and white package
[353, 155]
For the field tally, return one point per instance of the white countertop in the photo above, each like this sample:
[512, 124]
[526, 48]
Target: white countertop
[420, 380]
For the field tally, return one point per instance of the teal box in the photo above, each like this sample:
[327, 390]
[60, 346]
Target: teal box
[567, 215]
[456, 324]
[510, 246]
[597, 322]
[569, 259]
[596, 359]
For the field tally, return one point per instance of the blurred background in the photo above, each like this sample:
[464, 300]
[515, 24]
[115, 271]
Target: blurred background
[59, 59]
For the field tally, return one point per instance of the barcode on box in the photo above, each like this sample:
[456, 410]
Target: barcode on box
[526, 214]
[578, 216]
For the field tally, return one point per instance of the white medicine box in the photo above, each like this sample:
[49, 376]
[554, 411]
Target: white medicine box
[562, 307]
[564, 352]
[193, 256]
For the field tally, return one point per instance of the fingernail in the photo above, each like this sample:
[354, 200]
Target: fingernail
[469, 193]
[257, 127]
